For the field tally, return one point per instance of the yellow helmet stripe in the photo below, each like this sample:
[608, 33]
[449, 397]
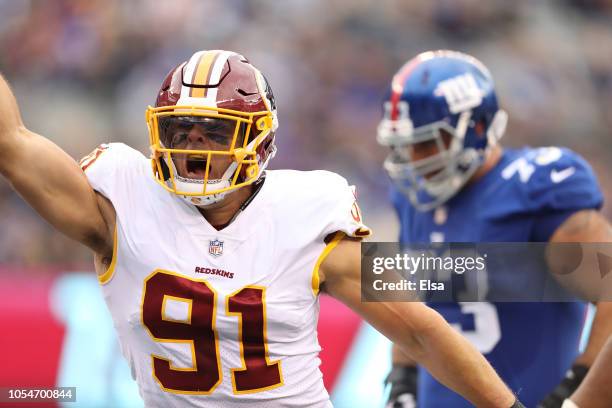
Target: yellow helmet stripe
[201, 74]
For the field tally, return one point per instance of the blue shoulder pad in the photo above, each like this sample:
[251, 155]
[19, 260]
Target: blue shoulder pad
[554, 178]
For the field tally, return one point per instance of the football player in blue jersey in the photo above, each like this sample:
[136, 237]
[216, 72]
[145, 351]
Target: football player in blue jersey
[454, 183]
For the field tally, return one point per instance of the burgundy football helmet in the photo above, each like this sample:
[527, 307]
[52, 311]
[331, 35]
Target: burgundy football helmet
[231, 104]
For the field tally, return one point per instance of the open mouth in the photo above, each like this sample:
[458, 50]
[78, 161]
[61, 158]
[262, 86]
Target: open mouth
[196, 166]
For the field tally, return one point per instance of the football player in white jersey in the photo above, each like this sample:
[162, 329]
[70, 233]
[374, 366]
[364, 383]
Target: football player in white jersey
[210, 265]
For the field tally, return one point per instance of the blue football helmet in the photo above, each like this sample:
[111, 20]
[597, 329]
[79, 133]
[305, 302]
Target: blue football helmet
[445, 100]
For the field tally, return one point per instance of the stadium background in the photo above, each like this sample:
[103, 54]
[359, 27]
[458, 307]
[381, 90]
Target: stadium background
[84, 71]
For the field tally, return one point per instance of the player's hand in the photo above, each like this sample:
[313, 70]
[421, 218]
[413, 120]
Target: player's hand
[568, 385]
[403, 381]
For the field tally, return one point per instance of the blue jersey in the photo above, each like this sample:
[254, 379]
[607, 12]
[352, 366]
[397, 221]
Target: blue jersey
[524, 198]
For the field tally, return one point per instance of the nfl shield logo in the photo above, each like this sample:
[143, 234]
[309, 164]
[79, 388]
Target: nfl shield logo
[215, 247]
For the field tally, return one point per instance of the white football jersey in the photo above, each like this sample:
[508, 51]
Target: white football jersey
[224, 318]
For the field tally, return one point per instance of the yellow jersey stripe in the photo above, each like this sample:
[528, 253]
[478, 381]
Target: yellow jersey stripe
[106, 276]
[328, 248]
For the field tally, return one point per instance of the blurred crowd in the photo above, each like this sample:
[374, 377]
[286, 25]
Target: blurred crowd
[84, 72]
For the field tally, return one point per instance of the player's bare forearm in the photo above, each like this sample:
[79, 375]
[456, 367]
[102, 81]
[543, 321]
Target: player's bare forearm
[400, 357]
[48, 178]
[585, 226]
[595, 390]
[589, 226]
[419, 331]
[586, 382]
[445, 354]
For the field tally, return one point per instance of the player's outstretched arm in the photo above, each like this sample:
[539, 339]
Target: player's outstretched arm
[49, 179]
[595, 390]
[584, 226]
[588, 226]
[402, 380]
[418, 330]
[597, 353]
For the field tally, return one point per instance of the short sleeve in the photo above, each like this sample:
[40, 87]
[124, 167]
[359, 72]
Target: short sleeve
[562, 181]
[562, 184]
[335, 206]
[347, 216]
[108, 168]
